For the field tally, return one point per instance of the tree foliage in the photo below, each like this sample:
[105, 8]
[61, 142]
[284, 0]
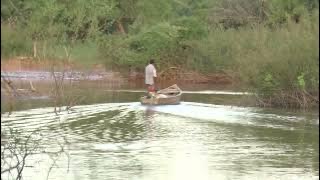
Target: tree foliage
[203, 35]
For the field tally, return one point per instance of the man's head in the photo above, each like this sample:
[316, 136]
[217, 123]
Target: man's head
[151, 61]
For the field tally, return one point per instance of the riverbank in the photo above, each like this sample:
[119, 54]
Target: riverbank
[29, 75]
[29, 69]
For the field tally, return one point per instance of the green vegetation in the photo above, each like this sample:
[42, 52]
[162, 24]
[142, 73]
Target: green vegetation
[269, 46]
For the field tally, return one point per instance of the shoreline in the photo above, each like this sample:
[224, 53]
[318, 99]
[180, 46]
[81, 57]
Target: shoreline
[24, 73]
[29, 69]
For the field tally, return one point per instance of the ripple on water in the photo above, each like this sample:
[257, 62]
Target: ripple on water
[185, 141]
[36, 118]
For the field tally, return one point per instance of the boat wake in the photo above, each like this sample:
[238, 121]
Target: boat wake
[231, 115]
[36, 118]
[113, 135]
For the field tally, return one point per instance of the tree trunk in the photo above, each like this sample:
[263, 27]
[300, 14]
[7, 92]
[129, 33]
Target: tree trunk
[34, 49]
[120, 26]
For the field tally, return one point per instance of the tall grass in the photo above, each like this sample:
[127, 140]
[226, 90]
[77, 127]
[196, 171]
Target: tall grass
[282, 63]
[284, 54]
[14, 42]
[84, 53]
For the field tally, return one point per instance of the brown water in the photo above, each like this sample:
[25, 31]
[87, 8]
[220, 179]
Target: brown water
[208, 136]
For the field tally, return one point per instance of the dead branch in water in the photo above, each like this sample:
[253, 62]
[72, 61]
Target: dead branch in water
[57, 89]
[11, 91]
[15, 150]
[288, 99]
[61, 95]
[8, 85]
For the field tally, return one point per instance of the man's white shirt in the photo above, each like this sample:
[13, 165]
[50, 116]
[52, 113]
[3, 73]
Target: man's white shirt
[150, 73]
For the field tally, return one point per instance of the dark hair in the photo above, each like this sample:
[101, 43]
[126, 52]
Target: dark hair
[151, 61]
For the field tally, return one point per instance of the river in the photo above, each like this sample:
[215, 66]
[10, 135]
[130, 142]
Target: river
[110, 135]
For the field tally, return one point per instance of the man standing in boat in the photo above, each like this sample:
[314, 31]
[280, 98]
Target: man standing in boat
[150, 76]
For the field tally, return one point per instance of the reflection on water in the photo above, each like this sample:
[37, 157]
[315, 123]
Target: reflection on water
[186, 141]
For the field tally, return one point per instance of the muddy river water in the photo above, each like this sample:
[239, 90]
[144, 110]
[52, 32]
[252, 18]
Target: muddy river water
[108, 134]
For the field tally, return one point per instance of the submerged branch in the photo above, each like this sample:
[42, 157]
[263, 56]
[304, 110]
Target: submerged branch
[292, 99]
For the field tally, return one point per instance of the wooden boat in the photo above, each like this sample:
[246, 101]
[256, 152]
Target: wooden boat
[167, 96]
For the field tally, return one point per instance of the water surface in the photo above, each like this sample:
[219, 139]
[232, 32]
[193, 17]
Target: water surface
[109, 135]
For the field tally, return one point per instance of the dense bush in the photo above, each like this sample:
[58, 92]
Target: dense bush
[270, 46]
[14, 42]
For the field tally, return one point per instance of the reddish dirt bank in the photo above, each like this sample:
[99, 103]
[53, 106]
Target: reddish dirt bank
[29, 69]
[188, 77]
[174, 75]
[29, 64]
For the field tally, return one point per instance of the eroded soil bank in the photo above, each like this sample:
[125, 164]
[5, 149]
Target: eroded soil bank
[27, 78]
[29, 69]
